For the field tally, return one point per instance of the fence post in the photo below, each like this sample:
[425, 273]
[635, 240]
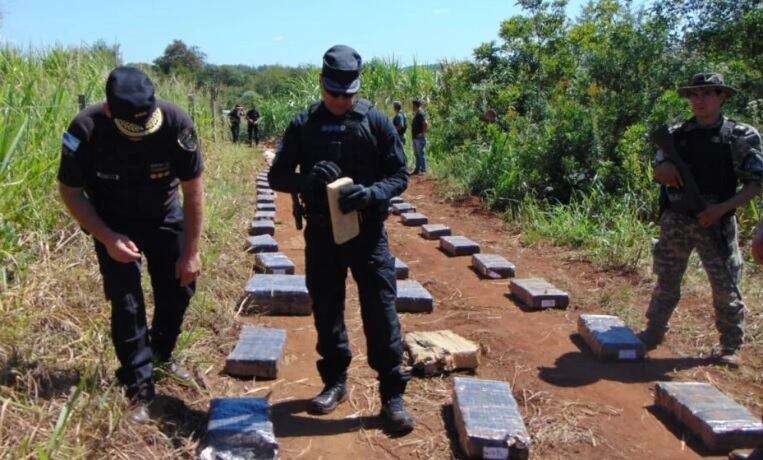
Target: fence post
[191, 108]
[82, 101]
[213, 104]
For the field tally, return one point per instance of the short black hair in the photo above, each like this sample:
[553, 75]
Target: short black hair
[417, 102]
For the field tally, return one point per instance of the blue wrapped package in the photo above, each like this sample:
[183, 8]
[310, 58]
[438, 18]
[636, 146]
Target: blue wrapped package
[258, 353]
[401, 269]
[277, 295]
[240, 428]
[458, 246]
[718, 420]
[261, 243]
[610, 339]
[488, 421]
[412, 297]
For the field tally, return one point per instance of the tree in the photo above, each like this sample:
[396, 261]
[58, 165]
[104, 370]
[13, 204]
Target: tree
[178, 55]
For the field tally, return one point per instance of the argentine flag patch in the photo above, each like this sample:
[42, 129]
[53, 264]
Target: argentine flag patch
[70, 142]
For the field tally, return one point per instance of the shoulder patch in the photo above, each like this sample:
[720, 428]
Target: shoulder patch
[71, 142]
[188, 140]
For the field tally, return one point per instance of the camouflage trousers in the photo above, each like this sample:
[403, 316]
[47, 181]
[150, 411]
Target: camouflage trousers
[718, 250]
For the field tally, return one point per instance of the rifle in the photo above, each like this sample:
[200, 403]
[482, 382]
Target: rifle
[688, 200]
[297, 210]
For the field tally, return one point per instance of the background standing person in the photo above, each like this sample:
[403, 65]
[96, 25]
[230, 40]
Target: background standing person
[343, 135]
[253, 126]
[121, 164]
[719, 153]
[234, 121]
[419, 127]
[400, 121]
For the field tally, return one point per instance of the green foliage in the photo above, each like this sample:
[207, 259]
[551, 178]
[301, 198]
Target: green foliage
[38, 98]
[179, 57]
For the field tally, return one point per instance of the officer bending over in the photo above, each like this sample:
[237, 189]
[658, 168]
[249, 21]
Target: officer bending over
[343, 136]
[121, 164]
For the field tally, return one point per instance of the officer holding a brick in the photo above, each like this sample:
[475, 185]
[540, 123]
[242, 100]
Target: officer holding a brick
[719, 154]
[122, 162]
[342, 135]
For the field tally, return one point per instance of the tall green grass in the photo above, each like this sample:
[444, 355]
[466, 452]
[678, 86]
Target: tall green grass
[38, 97]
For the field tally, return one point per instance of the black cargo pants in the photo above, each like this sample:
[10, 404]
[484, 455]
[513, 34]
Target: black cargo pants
[373, 268]
[122, 285]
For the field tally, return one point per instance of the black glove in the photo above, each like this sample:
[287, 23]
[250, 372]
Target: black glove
[355, 197]
[323, 173]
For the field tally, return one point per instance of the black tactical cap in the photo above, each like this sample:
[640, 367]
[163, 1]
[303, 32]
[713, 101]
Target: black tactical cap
[341, 70]
[706, 80]
[131, 99]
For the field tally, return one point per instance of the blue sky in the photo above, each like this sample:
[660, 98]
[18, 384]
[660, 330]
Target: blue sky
[255, 32]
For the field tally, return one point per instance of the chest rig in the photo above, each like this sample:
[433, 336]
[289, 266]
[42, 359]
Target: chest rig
[708, 154]
[347, 141]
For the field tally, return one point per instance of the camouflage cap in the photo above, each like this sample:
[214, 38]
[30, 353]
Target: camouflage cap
[706, 80]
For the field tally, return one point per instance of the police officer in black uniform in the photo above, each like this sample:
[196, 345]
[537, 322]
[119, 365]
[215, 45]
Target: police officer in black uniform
[342, 135]
[121, 164]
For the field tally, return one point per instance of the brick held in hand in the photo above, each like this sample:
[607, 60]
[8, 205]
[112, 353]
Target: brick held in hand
[434, 231]
[492, 266]
[610, 339]
[458, 246]
[718, 420]
[538, 293]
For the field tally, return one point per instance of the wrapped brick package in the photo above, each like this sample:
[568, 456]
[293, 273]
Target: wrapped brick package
[488, 421]
[262, 227]
[401, 269]
[719, 421]
[277, 295]
[395, 200]
[265, 207]
[434, 231]
[492, 266]
[275, 263]
[412, 297]
[258, 353]
[261, 243]
[539, 293]
[458, 246]
[265, 215]
[610, 339]
[240, 428]
[413, 219]
[437, 352]
[400, 208]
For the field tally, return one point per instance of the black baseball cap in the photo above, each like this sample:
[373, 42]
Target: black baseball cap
[341, 70]
[131, 99]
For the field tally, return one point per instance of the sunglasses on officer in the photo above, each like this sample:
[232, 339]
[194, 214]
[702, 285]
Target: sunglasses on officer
[339, 95]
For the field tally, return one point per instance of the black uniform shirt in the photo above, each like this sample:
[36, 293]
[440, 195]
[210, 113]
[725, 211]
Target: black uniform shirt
[417, 125]
[131, 181]
[252, 115]
[380, 167]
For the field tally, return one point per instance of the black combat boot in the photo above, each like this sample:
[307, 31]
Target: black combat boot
[141, 398]
[330, 397]
[396, 418]
[651, 337]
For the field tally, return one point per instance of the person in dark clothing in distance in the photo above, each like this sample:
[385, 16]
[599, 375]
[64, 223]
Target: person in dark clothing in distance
[253, 125]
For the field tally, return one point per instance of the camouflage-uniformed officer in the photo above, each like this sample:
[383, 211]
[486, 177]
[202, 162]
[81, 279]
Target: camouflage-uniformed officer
[720, 153]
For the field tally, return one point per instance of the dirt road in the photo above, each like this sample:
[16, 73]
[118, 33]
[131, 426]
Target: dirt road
[573, 405]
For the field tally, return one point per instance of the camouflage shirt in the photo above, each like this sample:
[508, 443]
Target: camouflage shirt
[745, 143]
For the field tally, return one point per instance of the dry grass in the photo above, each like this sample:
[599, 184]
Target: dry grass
[58, 394]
